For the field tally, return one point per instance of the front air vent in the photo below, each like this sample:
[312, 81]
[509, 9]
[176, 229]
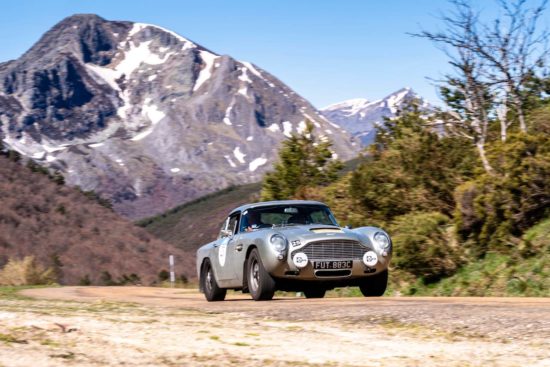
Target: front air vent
[334, 250]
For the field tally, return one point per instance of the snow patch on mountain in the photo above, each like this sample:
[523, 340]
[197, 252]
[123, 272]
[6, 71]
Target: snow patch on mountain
[274, 128]
[244, 76]
[205, 73]
[287, 129]
[252, 166]
[239, 155]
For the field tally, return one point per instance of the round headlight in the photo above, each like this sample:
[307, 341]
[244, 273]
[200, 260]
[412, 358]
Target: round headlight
[382, 240]
[278, 242]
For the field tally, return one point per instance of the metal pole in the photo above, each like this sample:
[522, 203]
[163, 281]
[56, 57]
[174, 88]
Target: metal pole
[172, 273]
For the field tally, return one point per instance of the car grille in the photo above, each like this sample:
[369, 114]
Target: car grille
[334, 250]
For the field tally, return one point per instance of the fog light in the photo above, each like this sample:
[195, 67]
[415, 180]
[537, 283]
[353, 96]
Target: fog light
[300, 260]
[370, 258]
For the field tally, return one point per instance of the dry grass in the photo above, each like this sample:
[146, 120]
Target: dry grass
[26, 272]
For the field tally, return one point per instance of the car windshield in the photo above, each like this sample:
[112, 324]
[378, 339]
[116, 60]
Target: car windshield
[285, 215]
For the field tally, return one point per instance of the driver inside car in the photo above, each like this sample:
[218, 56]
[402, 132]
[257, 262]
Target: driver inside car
[253, 221]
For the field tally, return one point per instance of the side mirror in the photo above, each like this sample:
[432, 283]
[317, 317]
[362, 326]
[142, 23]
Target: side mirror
[348, 226]
[225, 233]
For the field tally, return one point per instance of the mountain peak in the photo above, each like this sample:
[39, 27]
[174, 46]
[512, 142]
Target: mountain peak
[146, 117]
[81, 18]
[361, 117]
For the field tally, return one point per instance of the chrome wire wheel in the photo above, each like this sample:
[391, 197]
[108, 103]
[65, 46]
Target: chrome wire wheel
[254, 276]
[260, 284]
[208, 283]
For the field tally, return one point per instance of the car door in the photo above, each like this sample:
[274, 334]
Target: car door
[225, 251]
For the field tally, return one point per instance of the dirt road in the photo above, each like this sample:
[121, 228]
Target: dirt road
[141, 326]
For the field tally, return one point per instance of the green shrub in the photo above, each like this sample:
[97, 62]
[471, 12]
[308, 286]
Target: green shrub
[495, 209]
[536, 240]
[423, 245]
[411, 169]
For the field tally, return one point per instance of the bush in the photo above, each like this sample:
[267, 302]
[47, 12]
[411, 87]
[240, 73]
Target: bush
[495, 209]
[423, 245]
[26, 272]
[164, 275]
[411, 169]
[536, 240]
[85, 281]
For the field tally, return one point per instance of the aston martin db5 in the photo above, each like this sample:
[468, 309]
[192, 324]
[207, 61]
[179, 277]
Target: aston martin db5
[293, 246]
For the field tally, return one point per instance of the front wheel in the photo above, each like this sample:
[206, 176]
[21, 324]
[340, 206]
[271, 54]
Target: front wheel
[260, 284]
[375, 285]
[212, 291]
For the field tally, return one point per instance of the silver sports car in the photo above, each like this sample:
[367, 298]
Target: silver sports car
[292, 245]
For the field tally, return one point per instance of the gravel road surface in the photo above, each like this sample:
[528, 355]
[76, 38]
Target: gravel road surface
[141, 326]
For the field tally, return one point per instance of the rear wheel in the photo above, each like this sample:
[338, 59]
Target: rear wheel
[315, 292]
[260, 284]
[375, 285]
[212, 291]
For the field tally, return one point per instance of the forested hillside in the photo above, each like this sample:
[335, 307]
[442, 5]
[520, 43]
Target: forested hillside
[72, 234]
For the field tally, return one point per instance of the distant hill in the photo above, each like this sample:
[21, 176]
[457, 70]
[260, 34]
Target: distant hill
[65, 229]
[194, 224]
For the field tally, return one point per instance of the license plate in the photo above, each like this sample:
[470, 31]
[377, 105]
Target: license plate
[333, 264]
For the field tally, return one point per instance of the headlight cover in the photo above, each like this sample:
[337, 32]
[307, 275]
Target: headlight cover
[382, 240]
[278, 242]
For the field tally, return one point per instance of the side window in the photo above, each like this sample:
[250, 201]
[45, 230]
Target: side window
[244, 222]
[233, 223]
[224, 226]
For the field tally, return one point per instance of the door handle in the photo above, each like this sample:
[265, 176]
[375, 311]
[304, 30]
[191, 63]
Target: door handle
[239, 247]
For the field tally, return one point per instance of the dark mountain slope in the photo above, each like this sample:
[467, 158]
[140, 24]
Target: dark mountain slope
[65, 229]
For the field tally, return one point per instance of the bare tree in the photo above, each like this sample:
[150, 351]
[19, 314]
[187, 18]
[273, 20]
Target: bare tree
[466, 91]
[511, 47]
[514, 48]
[471, 101]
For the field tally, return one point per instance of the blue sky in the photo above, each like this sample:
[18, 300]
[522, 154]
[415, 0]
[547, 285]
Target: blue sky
[327, 51]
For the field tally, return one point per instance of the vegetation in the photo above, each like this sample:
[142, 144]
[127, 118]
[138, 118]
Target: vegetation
[193, 224]
[26, 272]
[72, 235]
[304, 161]
[465, 191]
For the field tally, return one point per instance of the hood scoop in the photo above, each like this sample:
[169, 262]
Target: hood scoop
[326, 230]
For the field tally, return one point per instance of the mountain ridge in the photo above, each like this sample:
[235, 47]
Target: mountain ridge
[146, 117]
[360, 117]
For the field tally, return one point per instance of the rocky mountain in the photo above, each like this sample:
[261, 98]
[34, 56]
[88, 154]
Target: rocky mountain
[70, 232]
[145, 117]
[360, 116]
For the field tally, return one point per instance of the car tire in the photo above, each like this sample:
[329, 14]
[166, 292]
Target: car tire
[315, 293]
[375, 285]
[260, 284]
[212, 290]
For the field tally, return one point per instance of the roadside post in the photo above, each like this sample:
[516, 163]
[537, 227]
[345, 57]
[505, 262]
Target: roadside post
[172, 273]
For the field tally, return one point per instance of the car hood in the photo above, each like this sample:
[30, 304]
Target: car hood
[315, 232]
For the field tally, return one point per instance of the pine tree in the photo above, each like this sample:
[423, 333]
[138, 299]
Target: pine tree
[304, 162]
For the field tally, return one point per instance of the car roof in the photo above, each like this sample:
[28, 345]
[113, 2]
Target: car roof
[277, 202]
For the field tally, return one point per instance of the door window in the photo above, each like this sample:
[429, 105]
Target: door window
[233, 223]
